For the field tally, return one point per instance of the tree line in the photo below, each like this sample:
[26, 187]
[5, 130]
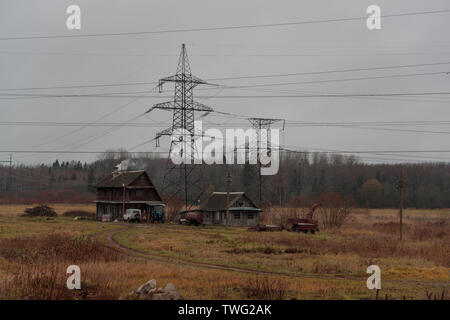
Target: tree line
[301, 177]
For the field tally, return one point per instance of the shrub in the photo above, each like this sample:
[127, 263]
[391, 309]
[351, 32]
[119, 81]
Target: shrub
[437, 295]
[39, 267]
[334, 209]
[265, 288]
[40, 211]
[173, 209]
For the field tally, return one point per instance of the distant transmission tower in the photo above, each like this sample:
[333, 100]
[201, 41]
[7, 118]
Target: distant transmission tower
[259, 124]
[182, 180]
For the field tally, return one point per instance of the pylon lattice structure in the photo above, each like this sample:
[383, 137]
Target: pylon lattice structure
[184, 179]
[261, 124]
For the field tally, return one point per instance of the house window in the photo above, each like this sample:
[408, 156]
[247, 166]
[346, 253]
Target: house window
[139, 193]
[250, 216]
[237, 215]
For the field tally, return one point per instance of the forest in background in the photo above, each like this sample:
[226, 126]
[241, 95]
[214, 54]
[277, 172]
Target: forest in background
[301, 178]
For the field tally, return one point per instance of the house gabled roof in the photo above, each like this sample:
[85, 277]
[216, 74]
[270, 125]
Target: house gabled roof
[217, 201]
[122, 178]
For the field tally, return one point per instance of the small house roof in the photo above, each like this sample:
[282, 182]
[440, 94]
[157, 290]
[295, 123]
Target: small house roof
[217, 201]
[120, 179]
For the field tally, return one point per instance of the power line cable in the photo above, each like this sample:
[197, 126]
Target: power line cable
[234, 55]
[332, 80]
[131, 94]
[375, 126]
[103, 133]
[237, 77]
[292, 123]
[219, 28]
[337, 151]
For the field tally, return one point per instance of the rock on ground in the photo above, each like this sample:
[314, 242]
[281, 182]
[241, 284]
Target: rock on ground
[150, 291]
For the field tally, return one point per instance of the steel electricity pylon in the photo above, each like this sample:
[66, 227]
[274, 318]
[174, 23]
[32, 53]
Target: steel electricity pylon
[261, 124]
[182, 179]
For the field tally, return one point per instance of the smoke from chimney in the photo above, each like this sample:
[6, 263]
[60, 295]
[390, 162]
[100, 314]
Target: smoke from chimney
[130, 165]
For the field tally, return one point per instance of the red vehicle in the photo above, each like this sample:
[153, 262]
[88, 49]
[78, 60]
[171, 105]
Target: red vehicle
[191, 217]
[305, 224]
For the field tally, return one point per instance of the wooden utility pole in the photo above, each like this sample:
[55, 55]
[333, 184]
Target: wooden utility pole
[228, 182]
[123, 201]
[259, 181]
[10, 173]
[400, 186]
[8, 181]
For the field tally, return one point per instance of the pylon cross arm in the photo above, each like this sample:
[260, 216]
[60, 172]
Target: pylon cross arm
[197, 80]
[201, 107]
[165, 132]
[179, 78]
[169, 105]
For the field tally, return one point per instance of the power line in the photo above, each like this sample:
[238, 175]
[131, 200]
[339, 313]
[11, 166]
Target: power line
[130, 95]
[292, 123]
[331, 71]
[360, 154]
[81, 86]
[340, 151]
[318, 46]
[255, 77]
[122, 106]
[334, 80]
[288, 91]
[233, 55]
[356, 125]
[219, 28]
[334, 151]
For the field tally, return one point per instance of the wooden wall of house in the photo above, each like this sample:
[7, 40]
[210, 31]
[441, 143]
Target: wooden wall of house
[142, 195]
[237, 218]
[208, 217]
[131, 194]
[112, 209]
[243, 202]
[142, 181]
[241, 218]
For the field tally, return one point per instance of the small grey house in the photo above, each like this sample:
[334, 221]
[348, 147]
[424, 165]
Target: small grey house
[243, 211]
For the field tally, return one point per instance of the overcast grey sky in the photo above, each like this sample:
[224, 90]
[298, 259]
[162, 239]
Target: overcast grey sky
[421, 39]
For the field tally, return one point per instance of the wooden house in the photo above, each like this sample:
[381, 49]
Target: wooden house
[241, 209]
[122, 190]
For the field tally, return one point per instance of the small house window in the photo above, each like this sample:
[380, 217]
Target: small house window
[139, 193]
[237, 215]
[250, 216]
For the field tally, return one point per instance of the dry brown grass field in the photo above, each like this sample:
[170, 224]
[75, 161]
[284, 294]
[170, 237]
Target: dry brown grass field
[214, 262]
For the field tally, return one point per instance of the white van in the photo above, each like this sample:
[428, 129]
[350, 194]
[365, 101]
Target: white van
[132, 215]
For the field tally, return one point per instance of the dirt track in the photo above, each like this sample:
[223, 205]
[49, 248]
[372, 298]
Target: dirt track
[131, 252]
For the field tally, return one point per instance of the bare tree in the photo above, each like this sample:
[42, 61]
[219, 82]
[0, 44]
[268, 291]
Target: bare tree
[334, 209]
